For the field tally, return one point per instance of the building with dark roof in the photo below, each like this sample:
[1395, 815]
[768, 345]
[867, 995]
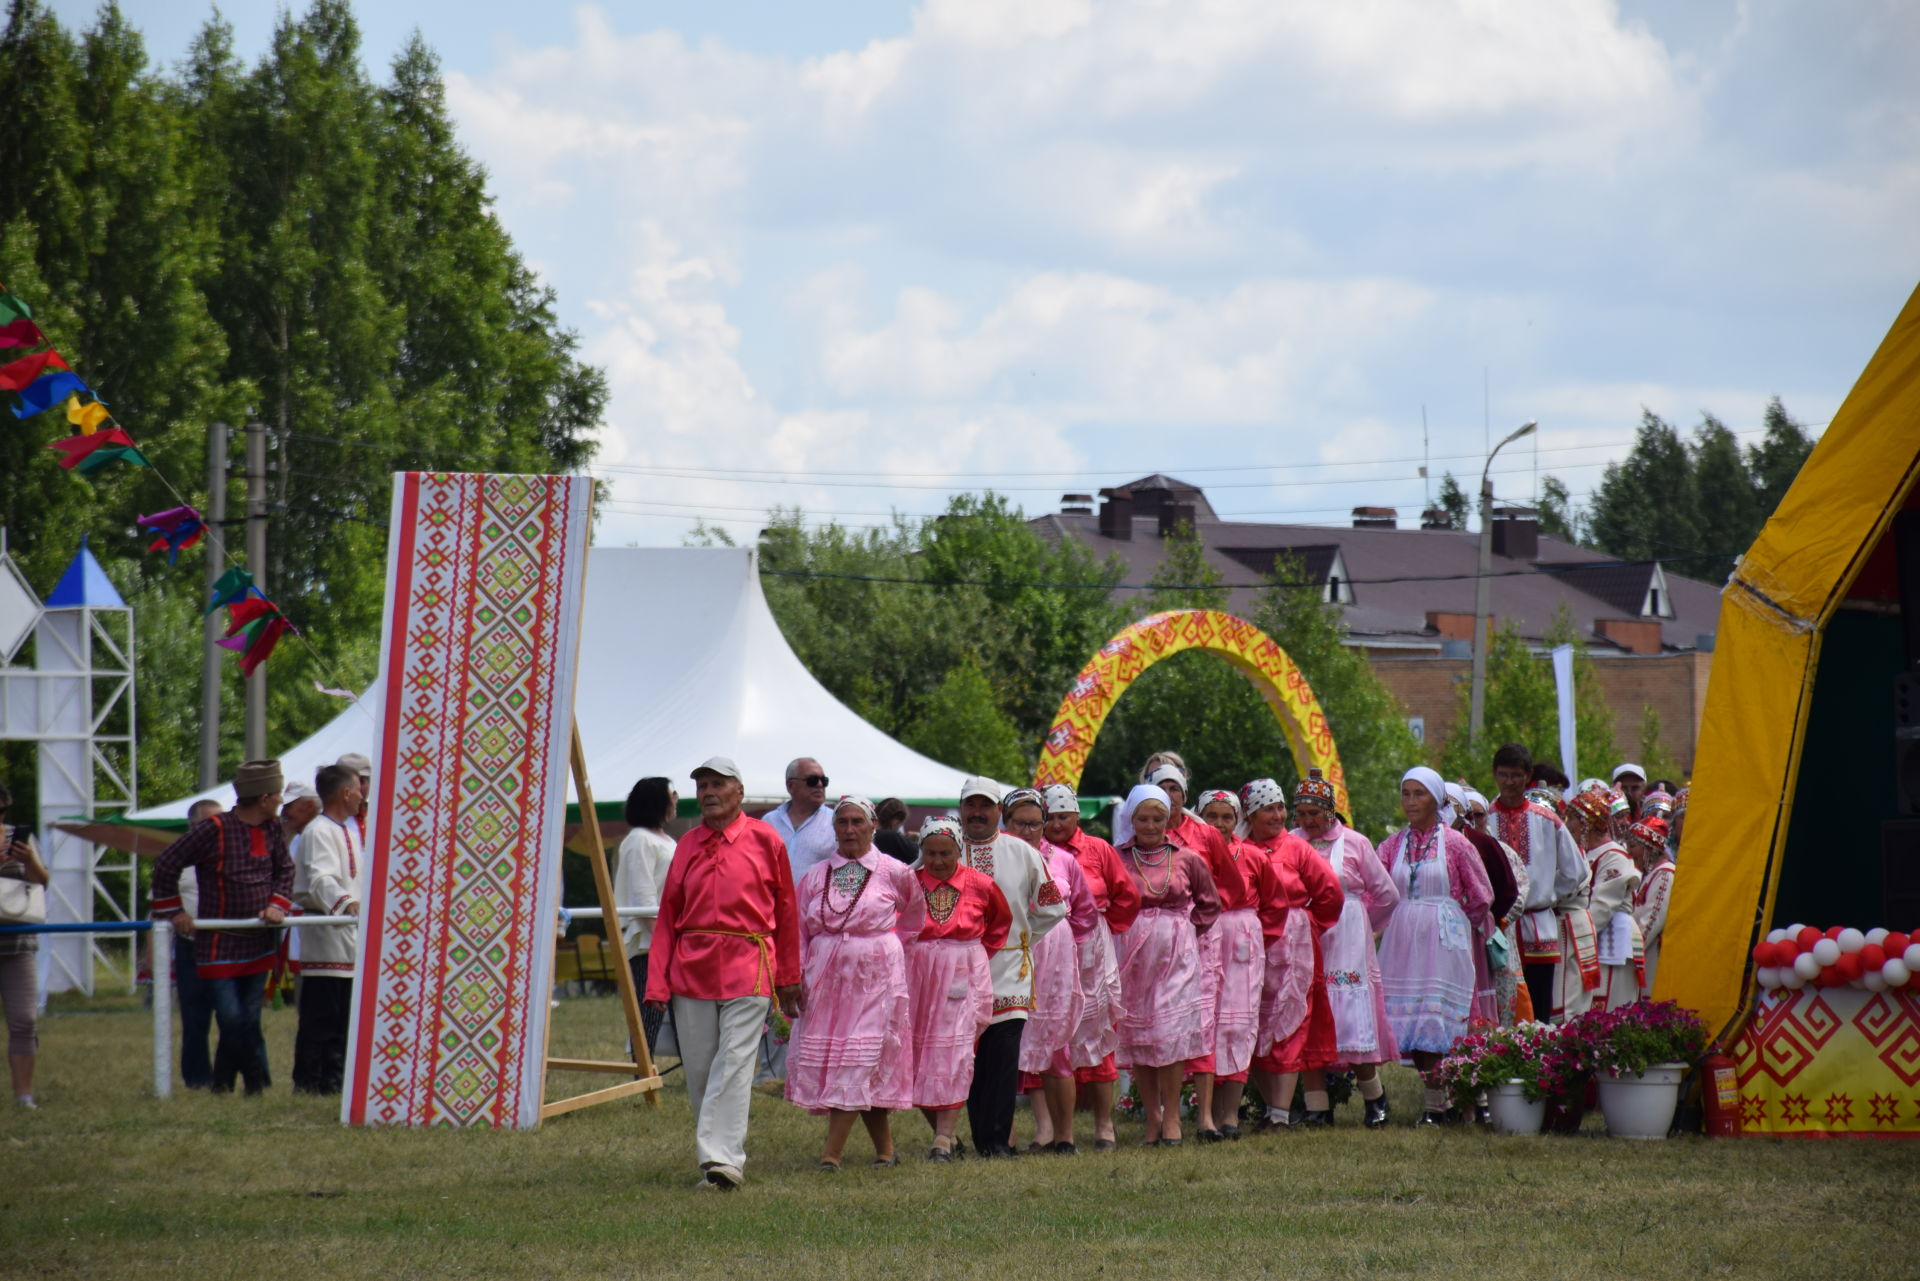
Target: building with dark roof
[1407, 596]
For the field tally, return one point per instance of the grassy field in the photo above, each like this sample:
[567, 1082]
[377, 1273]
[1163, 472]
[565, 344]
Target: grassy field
[106, 1181]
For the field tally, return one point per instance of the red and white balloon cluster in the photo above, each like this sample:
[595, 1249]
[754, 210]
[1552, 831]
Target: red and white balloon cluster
[1801, 955]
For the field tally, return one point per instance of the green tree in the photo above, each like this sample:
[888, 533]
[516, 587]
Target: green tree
[1726, 508]
[1558, 516]
[1777, 459]
[1653, 753]
[1453, 501]
[1643, 508]
[959, 723]
[1522, 706]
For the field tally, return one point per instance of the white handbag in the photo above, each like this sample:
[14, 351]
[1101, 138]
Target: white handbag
[21, 901]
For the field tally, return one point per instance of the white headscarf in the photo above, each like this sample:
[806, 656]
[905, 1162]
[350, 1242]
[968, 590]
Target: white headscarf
[860, 803]
[1435, 788]
[1060, 799]
[1140, 795]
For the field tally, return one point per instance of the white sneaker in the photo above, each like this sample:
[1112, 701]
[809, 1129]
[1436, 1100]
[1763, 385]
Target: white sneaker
[26, 1101]
[725, 1177]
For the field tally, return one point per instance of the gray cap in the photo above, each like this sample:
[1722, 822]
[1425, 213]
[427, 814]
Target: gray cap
[978, 786]
[718, 765]
[356, 762]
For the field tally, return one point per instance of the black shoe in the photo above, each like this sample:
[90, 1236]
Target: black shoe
[1315, 1120]
[1231, 1133]
[960, 1149]
[1483, 1115]
[1211, 1136]
[1432, 1119]
[1266, 1125]
[1170, 1143]
[1296, 1115]
[1005, 1150]
[942, 1155]
[1060, 1147]
[1454, 1116]
[1376, 1117]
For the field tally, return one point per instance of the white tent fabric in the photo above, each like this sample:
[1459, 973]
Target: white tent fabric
[680, 660]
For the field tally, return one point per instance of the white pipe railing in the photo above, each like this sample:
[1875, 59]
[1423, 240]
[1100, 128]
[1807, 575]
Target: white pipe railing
[162, 936]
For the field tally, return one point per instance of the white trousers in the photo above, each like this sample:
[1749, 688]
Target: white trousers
[719, 1041]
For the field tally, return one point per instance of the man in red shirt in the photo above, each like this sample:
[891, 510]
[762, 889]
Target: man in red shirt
[726, 944]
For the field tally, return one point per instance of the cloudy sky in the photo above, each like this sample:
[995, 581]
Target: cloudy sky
[853, 256]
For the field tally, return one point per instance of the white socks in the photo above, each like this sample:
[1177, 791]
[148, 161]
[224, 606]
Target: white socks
[1371, 1087]
[1277, 1115]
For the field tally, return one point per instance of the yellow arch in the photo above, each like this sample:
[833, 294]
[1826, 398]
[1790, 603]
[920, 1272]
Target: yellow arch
[1063, 757]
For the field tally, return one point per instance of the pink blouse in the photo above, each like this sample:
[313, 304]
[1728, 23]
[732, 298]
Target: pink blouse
[1184, 883]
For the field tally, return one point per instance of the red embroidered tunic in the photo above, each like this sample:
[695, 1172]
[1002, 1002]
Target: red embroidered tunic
[242, 870]
[1205, 839]
[968, 905]
[728, 926]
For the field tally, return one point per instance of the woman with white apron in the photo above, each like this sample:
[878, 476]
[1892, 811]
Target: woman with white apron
[1364, 1036]
[1426, 955]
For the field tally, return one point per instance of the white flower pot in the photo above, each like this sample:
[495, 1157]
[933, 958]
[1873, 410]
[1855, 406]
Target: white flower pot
[1642, 1106]
[1513, 1112]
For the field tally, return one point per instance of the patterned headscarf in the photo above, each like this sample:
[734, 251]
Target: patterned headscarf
[1022, 796]
[1060, 799]
[860, 803]
[1260, 793]
[1680, 801]
[1314, 790]
[943, 827]
[1650, 831]
[1142, 794]
[1656, 804]
[1592, 808]
[1209, 797]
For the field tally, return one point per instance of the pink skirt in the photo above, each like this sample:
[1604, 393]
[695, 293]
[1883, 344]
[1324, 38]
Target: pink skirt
[1243, 971]
[952, 990]
[1057, 1004]
[1161, 983]
[1101, 1007]
[1289, 978]
[850, 1049]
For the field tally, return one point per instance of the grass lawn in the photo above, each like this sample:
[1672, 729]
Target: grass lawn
[105, 1180]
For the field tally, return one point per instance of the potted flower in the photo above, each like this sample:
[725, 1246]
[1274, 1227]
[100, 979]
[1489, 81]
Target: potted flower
[1639, 1054]
[1516, 1068]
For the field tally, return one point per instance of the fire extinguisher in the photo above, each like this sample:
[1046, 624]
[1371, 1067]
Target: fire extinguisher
[1720, 1091]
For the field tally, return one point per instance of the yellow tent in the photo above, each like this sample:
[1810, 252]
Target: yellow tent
[1775, 616]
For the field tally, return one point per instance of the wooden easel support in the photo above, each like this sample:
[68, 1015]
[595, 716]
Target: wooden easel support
[641, 1067]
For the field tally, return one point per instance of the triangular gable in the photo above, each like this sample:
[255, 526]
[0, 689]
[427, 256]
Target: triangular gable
[1772, 614]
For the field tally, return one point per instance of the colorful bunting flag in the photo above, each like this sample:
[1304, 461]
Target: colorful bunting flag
[242, 612]
[12, 308]
[87, 416]
[21, 333]
[48, 390]
[17, 375]
[76, 448]
[235, 584]
[175, 528]
[257, 653]
[101, 458]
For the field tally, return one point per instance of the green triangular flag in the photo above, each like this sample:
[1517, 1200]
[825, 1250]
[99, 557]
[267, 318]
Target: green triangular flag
[231, 586]
[111, 454]
[12, 309]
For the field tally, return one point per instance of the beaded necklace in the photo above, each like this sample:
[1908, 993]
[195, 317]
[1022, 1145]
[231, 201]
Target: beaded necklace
[826, 887]
[1165, 860]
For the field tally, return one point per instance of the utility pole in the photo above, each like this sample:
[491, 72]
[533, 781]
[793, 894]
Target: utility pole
[256, 738]
[210, 665]
[1482, 589]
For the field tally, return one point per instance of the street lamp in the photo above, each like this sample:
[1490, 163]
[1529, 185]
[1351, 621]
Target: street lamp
[1482, 587]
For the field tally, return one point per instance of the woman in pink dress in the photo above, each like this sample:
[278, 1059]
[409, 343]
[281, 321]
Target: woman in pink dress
[851, 1054]
[966, 921]
[1426, 955]
[1046, 1063]
[1160, 972]
[1238, 962]
[1351, 970]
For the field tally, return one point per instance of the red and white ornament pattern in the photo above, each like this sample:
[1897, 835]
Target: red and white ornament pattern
[1804, 956]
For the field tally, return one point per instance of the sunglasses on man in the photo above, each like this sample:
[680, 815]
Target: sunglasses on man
[811, 780]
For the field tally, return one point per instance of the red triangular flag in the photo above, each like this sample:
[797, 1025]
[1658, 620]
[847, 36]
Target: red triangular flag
[242, 612]
[76, 448]
[16, 376]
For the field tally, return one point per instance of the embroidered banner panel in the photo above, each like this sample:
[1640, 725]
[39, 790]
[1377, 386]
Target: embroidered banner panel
[484, 583]
[1826, 1062]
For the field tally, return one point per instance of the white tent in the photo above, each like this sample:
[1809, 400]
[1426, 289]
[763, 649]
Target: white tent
[680, 660]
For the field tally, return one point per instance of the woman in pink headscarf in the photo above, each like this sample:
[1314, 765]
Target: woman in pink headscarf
[1237, 968]
[851, 1054]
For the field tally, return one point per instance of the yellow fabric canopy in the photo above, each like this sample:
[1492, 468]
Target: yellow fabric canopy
[1772, 616]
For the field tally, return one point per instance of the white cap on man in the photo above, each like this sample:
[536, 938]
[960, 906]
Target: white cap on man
[1620, 771]
[976, 785]
[722, 765]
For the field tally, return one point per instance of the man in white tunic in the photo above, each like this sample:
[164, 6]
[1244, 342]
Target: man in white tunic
[1557, 875]
[1035, 901]
[326, 882]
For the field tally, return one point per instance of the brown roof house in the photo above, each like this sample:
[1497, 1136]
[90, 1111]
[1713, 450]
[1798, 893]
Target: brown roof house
[1408, 596]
